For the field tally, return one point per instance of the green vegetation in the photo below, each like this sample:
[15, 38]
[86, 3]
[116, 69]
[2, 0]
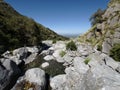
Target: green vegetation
[87, 60]
[17, 30]
[99, 47]
[111, 3]
[97, 17]
[54, 41]
[71, 46]
[62, 53]
[115, 52]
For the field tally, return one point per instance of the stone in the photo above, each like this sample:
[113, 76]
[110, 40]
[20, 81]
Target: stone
[111, 63]
[6, 54]
[15, 59]
[56, 53]
[58, 82]
[9, 72]
[98, 76]
[10, 65]
[20, 51]
[79, 65]
[60, 45]
[35, 75]
[68, 58]
[118, 68]
[47, 42]
[60, 60]
[117, 35]
[44, 65]
[73, 53]
[30, 58]
[48, 58]
[113, 21]
[32, 49]
[74, 79]
[106, 47]
[47, 52]
[34, 78]
[99, 26]
[85, 53]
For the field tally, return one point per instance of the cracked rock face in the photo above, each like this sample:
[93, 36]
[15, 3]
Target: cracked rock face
[99, 74]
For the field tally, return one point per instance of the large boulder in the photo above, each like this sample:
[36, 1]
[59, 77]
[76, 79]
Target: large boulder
[9, 72]
[33, 79]
[58, 82]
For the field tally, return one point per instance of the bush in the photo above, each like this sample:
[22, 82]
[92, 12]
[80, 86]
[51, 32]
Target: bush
[115, 52]
[97, 17]
[99, 47]
[87, 60]
[54, 41]
[71, 46]
[62, 53]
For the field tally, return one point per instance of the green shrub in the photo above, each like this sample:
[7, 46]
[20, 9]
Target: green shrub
[62, 53]
[87, 60]
[115, 52]
[99, 47]
[54, 41]
[71, 46]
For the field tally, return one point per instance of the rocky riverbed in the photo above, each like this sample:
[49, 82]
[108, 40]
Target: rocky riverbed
[30, 68]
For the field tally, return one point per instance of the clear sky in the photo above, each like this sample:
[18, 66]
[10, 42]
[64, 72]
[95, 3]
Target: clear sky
[62, 16]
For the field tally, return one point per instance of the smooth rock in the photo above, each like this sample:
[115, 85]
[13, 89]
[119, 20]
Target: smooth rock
[35, 75]
[79, 65]
[48, 58]
[58, 82]
[44, 65]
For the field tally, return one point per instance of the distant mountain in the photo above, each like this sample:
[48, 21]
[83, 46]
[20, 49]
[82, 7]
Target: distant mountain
[17, 30]
[71, 35]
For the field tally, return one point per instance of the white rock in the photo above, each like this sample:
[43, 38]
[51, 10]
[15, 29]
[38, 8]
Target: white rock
[35, 75]
[48, 57]
[56, 53]
[30, 58]
[60, 60]
[68, 58]
[60, 45]
[47, 42]
[51, 48]
[80, 66]
[32, 49]
[109, 61]
[15, 59]
[58, 82]
[44, 65]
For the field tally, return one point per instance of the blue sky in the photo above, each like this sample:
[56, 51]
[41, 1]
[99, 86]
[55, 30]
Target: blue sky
[62, 16]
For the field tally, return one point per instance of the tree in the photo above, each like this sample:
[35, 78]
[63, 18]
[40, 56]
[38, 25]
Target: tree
[97, 17]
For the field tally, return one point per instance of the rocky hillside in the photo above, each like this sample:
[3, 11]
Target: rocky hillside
[105, 33]
[17, 30]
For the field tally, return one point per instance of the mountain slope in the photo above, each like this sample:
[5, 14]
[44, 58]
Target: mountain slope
[105, 34]
[17, 30]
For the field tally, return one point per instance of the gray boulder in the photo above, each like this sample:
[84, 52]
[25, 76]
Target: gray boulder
[34, 77]
[58, 82]
[9, 72]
